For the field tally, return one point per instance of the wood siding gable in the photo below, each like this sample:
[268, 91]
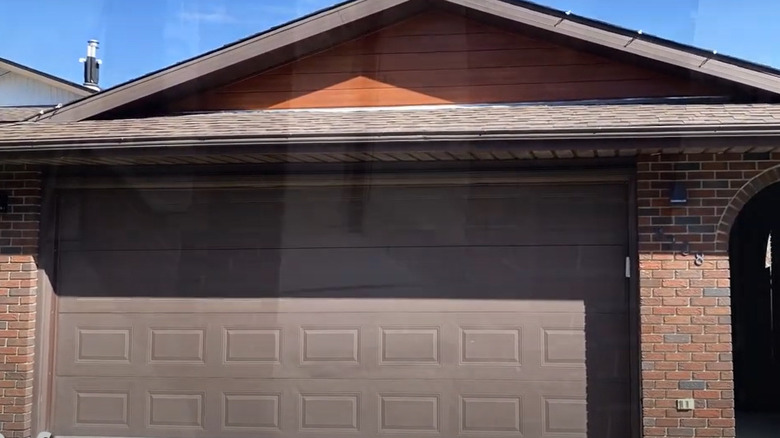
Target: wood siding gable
[441, 58]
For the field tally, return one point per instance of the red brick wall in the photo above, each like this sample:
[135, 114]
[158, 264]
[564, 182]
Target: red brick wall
[685, 308]
[18, 287]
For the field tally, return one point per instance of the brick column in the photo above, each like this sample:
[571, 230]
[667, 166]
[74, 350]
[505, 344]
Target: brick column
[686, 306]
[18, 279]
[18, 287]
[686, 345]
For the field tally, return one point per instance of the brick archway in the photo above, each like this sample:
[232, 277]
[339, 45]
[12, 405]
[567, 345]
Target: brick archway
[743, 196]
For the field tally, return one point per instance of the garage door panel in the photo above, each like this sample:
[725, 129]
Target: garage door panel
[607, 343]
[95, 406]
[322, 407]
[470, 340]
[108, 342]
[570, 347]
[199, 345]
[514, 346]
[176, 407]
[594, 274]
[608, 414]
[379, 216]
[435, 345]
[492, 409]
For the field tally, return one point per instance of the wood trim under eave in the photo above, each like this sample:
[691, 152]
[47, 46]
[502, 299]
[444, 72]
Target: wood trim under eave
[323, 22]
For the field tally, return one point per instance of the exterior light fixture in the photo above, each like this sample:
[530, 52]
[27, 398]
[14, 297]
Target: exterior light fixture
[678, 193]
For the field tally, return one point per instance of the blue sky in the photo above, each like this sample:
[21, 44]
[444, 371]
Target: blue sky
[139, 36]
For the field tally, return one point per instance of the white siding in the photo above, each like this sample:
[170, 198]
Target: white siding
[17, 90]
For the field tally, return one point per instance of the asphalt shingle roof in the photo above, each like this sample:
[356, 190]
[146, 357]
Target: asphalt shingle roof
[10, 114]
[399, 122]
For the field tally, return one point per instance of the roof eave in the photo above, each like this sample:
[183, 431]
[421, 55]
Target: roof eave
[736, 132]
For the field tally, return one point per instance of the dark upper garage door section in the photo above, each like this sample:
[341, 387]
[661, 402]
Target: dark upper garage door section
[404, 309]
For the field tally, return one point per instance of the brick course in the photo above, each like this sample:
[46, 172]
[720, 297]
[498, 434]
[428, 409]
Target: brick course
[18, 288]
[685, 306]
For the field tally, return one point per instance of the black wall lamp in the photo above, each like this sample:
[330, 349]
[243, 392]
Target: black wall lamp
[3, 202]
[678, 193]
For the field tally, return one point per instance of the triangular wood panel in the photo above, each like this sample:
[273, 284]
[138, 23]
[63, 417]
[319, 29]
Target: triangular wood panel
[440, 58]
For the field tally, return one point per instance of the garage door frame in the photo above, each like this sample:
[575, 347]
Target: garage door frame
[403, 174]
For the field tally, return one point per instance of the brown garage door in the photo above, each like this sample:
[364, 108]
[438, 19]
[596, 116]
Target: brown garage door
[474, 310]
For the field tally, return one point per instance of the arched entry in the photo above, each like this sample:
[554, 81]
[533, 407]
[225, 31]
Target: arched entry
[754, 252]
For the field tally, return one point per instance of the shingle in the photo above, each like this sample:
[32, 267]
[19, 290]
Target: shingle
[517, 119]
[10, 114]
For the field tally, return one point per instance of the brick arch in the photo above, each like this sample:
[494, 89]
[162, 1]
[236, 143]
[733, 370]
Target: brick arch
[743, 196]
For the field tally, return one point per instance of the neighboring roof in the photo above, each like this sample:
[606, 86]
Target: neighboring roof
[348, 20]
[444, 123]
[46, 78]
[10, 114]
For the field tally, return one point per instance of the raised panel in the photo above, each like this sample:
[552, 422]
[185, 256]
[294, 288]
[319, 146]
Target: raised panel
[563, 347]
[176, 345]
[103, 345]
[565, 416]
[330, 345]
[253, 411]
[410, 346]
[409, 413]
[101, 408]
[252, 345]
[329, 412]
[176, 409]
[481, 346]
[490, 414]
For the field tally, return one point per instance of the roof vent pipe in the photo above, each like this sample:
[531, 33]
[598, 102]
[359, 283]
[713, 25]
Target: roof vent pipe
[91, 66]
